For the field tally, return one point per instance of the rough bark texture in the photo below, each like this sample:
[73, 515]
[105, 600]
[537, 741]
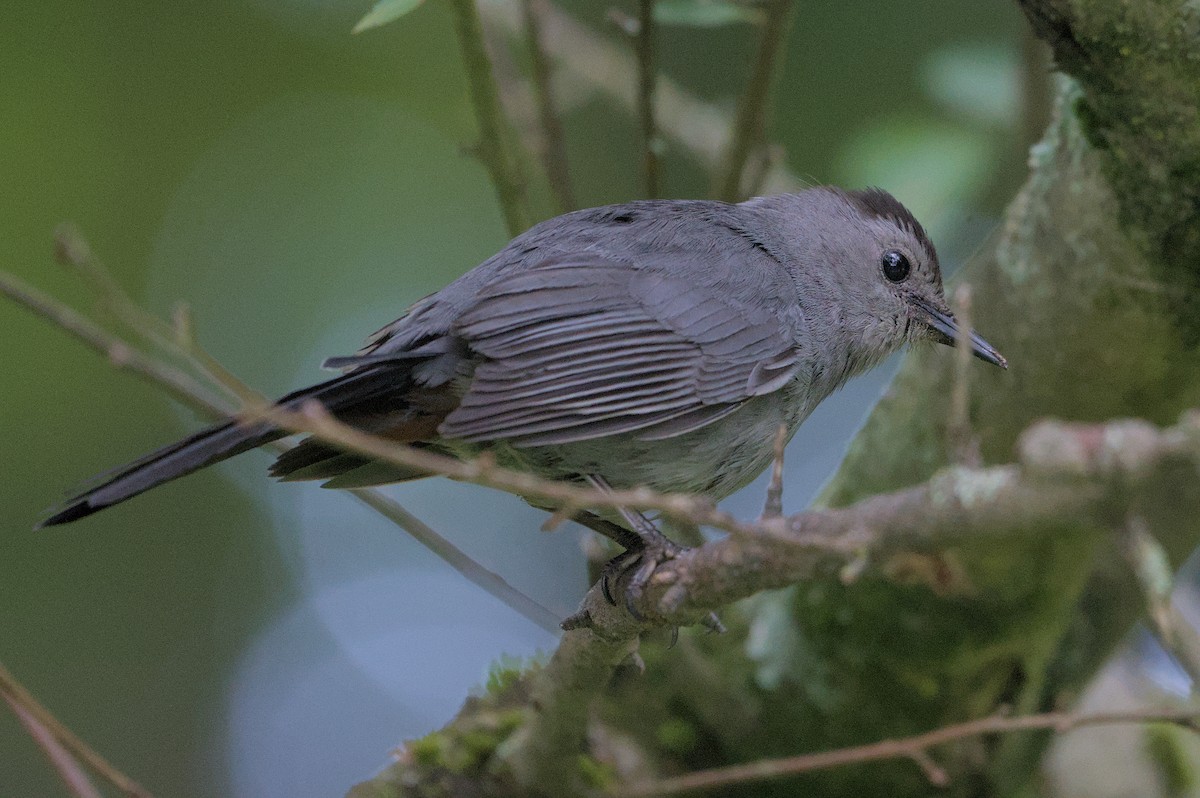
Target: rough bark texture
[1091, 290]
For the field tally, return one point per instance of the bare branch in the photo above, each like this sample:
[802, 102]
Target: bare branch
[773, 508]
[492, 147]
[183, 388]
[40, 720]
[457, 559]
[750, 121]
[179, 385]
[961, 438]
[644, 44]
[915, 748]
[1065, 477]
[589, 64]
[1152, 568]
[554, 144]
[483, 470]
[70, 771]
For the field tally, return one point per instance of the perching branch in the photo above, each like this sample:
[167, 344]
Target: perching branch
[915, 748]
[750, 121]
[1070, 478]
[492, 147]
[1066, 477]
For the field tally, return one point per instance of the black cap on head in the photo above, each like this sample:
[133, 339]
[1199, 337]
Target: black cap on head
[880, 204]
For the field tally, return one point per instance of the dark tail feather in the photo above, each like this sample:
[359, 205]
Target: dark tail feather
[225, 440]
[190, 454]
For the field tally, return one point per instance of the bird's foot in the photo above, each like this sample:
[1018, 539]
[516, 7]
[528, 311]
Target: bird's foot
[635, 567]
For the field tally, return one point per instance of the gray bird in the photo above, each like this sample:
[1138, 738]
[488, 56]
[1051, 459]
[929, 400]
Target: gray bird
[656, 343]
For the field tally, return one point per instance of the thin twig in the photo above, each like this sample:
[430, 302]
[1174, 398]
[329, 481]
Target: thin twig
[773, 508]
[120, 354]
[187, 391]
[315, 420]
[72, 250]
[914, 748]
[589, 64]
[492, 147]
[68, 769]
[963, 442]
[178, 337]
[458, 559]
[645, 45]
[17, 696]
[1152, 567]
[749, 126]
[554, 143]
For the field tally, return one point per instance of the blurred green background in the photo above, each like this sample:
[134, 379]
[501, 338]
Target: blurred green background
[299, 187]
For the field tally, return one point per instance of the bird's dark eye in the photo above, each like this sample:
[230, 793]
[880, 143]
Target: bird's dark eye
[895, 265]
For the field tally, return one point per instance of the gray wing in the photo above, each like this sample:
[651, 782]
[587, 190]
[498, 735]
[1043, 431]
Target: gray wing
[579, 349]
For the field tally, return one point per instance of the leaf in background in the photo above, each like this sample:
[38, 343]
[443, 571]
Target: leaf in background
[936, 169]
[384, 12]
[704, 13]
[979, 81]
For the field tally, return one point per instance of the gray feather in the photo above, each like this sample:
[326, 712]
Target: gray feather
[585, 347]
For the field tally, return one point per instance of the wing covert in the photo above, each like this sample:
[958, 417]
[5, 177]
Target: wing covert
[584, 348]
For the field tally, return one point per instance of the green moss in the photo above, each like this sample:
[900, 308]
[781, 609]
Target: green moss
[509, 721]
[427, 751]
[676, 736]
[1139, 79]
[467, 745]
[507, 672]
[596, 774]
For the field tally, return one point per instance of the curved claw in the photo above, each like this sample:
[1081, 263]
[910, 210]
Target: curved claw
[614, 569]
[646, 559]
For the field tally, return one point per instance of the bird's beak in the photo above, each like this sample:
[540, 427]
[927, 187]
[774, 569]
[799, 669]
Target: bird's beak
[945, 330]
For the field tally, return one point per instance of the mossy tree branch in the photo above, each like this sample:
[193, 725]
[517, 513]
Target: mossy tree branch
[1086, 289]
[1077, 480]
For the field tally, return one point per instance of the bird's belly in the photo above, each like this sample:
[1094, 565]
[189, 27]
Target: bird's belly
[715, 460]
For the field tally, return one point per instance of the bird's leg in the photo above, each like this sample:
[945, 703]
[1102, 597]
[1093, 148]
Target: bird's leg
[645, 547]
[627, 539]
[635, 550]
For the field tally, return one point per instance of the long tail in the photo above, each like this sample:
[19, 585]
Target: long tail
[224, 440]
